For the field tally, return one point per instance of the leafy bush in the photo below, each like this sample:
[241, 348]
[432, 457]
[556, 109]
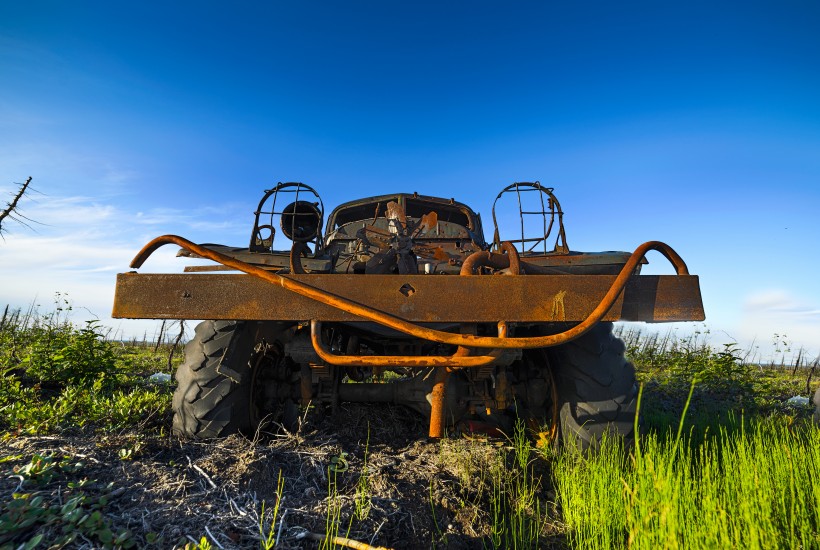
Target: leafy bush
[66, 355]
[726, 385]
[54, 375]
[50, 349]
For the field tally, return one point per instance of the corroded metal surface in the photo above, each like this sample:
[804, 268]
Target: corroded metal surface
[371, 313]
[435, 298]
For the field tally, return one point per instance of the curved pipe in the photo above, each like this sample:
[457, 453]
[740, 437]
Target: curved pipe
[512, 260]
[457, 361]
[512, 256]
[485, 258]
[412, 329]
[296, 252]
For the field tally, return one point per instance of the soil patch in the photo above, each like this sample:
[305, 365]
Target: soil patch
[411, 492]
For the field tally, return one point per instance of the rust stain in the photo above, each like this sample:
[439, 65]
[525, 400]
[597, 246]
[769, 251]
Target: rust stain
[558, 313]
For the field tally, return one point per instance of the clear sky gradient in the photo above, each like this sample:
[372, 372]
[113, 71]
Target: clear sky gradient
[695, 123]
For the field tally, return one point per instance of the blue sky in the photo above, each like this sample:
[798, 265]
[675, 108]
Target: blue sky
[693, 123]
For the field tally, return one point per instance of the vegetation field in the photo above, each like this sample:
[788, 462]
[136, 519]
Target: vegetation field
[87, 461]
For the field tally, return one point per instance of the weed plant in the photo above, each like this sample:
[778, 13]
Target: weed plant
[335, 503]
[55, 375]
[362, 499]
[499, 488]
[33, 516]
[516, 511]
[268, 535]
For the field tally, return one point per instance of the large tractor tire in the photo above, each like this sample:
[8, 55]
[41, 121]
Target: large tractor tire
[234, 378]
[596, 389]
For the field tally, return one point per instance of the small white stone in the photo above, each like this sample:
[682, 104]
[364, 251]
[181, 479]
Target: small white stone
[798, 401]
[159, 378]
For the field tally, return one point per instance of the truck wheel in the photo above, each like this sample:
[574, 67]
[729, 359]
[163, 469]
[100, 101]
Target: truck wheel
[234, 376]
[596, 389]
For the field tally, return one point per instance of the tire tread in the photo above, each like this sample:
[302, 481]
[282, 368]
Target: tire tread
[596, 388]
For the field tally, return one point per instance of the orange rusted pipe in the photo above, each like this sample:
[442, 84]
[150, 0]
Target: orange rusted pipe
[458, 360]
[512, 254]
[510, 259]
[480, 259]
[412, 329]
[437, 402]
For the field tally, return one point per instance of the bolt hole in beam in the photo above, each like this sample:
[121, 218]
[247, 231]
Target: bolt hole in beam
[407, 289]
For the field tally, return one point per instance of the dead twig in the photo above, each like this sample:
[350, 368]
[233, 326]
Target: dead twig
[10, 211]
[80, 455]
[20, 485]
[201, 472]
[279, 531]
[379, 528]
[341, 541]
[213, 538]
[808, 378]
[239, 510]
[176, 343]
[159, 338]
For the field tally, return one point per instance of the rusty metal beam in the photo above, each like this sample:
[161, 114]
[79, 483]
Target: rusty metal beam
[416, 330]
[416, 298]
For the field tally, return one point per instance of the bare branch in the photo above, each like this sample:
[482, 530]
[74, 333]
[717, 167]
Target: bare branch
[12, 206]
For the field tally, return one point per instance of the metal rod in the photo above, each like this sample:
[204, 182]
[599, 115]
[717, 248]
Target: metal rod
[437, 403]
[407, 361]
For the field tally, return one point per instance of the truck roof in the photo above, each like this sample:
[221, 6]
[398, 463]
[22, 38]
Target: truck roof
[414, 205]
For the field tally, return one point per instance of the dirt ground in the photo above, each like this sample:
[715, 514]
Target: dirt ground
[420, 493]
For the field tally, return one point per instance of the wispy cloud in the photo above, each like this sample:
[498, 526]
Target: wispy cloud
[75, 212]
[62, 169]
[83, 242]
[777, 311]
[781, 303]
[201, 218]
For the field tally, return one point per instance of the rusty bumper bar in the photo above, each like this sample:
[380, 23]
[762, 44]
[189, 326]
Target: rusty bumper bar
[369, 313]
[366, 312]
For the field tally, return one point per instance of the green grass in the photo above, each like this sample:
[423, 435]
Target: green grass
[720, 463]
[754, 487]
[55, 375]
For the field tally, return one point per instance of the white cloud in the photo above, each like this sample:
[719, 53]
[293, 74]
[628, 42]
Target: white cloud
[777, 311]
[781, 303]
[78, 250]
[56, 212]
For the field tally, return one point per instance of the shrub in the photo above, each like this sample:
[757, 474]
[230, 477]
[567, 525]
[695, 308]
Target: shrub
[55, 375]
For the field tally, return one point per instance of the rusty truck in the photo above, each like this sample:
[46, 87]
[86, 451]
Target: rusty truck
[401, 299]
